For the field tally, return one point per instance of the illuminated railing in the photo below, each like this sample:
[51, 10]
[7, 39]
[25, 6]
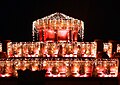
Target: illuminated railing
[61, 67]
[40, 49]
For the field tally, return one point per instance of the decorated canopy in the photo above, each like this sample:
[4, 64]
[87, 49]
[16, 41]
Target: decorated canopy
[58, 21]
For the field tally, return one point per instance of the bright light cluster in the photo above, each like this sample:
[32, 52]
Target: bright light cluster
[107, 47]
[118, 48]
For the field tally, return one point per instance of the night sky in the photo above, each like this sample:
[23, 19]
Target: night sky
[101, 17]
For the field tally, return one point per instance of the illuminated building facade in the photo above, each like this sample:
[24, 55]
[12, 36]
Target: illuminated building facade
[59, 48]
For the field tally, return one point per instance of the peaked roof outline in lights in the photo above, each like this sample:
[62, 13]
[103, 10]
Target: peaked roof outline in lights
[57, 15]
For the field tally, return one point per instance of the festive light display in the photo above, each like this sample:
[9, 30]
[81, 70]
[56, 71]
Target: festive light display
[58, 27]
[57, 49]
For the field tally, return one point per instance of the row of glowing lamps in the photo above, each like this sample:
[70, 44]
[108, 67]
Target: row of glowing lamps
[38, 49]
[62, 67]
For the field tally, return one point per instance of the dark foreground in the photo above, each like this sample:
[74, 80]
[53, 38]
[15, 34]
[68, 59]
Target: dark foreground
[61, 81]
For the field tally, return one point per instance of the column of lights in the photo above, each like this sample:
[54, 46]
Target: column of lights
[107, 47]
[118, 48]
[93, 49]
[0, 47]
[9, 49]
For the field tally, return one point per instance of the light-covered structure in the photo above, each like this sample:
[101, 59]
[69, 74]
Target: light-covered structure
[58, 47]
[58, 27]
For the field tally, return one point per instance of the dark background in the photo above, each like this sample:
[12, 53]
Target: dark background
[101, 17]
